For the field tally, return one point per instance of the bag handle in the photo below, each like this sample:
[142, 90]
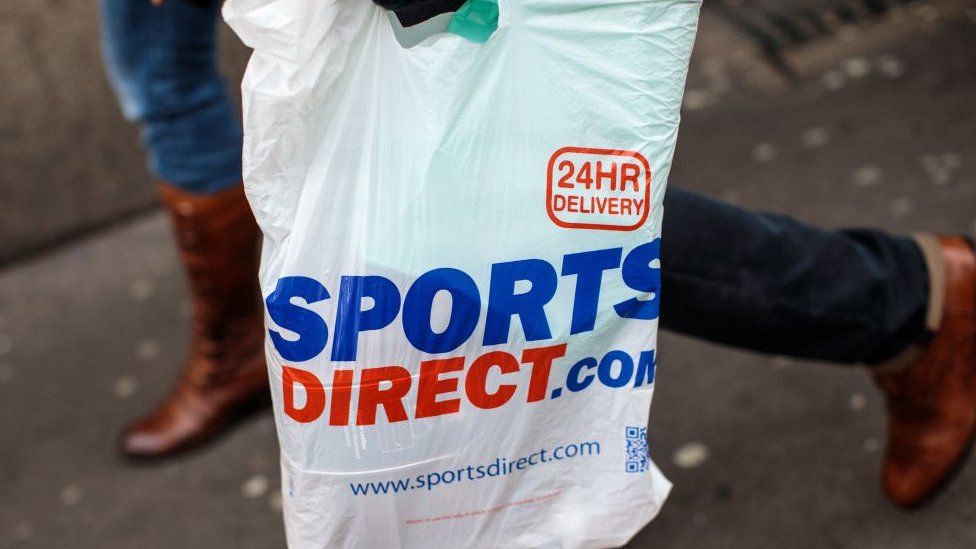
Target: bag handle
[475, 20]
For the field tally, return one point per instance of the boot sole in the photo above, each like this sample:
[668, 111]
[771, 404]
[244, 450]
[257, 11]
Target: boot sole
[240, 412]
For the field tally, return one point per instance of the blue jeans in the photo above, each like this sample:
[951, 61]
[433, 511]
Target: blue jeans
[162, 63]
[769, 283]
[757, 281]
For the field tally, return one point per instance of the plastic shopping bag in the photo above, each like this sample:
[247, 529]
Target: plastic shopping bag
[461, 264]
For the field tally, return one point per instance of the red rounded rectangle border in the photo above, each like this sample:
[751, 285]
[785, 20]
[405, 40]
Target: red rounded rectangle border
[582, 194]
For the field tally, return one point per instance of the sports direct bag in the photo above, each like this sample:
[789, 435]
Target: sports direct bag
[461, 264]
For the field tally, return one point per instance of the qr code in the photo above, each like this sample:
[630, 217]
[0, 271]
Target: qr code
[637, 453]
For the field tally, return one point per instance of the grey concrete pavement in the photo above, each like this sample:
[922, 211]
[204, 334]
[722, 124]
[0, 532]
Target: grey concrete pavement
[68, 160]
[764, 452]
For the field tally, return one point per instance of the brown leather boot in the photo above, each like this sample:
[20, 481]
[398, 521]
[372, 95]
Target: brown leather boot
[932, 401]
[225, 370]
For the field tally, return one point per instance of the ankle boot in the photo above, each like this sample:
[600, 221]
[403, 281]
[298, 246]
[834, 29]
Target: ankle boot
[225, 372]
[931, 402]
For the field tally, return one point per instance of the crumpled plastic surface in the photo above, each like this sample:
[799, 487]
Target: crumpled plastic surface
[461, 266]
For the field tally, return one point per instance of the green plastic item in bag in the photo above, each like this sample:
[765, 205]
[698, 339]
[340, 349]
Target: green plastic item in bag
[475, 20]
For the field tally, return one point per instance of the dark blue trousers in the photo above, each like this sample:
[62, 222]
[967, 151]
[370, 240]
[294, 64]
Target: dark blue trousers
[770, 283]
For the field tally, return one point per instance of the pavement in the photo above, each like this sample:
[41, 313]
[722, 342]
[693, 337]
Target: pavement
[69, 163]
[765, 452]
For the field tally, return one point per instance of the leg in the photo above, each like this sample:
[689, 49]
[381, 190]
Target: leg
[769, 283]
[162, 63]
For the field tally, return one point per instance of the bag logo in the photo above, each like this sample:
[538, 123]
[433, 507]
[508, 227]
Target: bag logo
[604, 189]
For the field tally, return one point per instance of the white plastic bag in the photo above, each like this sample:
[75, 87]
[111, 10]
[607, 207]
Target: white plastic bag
[461, 266]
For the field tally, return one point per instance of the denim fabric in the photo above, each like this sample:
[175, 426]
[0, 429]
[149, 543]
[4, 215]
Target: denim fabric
[162, 64]
[772, 284]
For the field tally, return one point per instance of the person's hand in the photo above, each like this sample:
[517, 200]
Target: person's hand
[411, 12]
